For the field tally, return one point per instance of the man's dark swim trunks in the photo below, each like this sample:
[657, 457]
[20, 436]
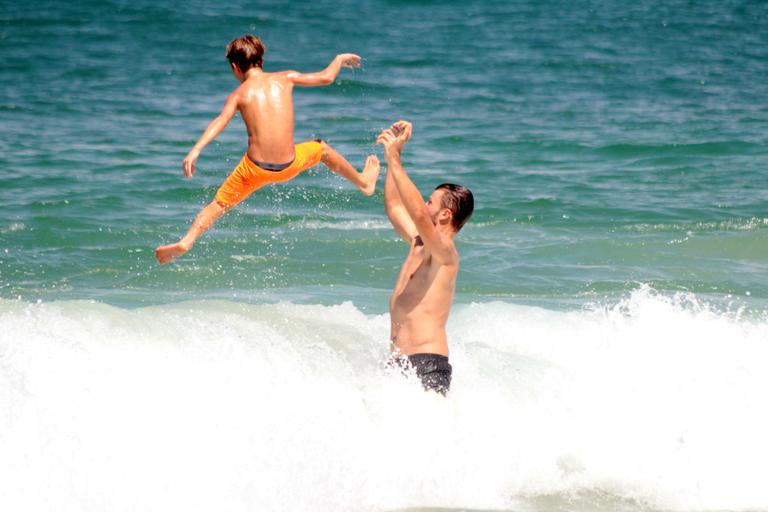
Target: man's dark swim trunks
[433, 370]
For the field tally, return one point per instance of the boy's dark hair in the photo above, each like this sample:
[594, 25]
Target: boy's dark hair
[246, 52]
[459, 200]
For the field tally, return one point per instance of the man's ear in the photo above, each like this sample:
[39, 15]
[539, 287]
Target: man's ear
[445, 215]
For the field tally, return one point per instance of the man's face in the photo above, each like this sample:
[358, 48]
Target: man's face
[434, 204]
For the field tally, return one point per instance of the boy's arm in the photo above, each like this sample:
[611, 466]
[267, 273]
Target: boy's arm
[328, 75]
[214, 128]
[396, 211]
[409, 194]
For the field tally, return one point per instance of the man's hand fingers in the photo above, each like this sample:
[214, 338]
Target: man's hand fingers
[403, 128]
[385, 136]
[402, 124]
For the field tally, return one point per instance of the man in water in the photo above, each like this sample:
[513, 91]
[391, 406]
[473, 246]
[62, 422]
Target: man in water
[422, 298]
[265, 102]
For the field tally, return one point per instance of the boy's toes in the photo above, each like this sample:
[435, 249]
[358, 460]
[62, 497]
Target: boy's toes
[372, 162]
[370, 174]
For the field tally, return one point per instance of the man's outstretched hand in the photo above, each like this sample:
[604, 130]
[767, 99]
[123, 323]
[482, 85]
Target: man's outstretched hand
[395, 137]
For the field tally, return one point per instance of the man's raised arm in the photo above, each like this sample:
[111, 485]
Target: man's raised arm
[396, 211]
[328, 75]
[394, 140]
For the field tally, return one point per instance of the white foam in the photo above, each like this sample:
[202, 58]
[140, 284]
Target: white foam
[348, 225]
[741, 224]
[656, 401]
[12, 228]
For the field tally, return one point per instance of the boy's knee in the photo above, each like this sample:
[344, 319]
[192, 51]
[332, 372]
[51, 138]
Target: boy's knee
[325, 147]
[220, 205]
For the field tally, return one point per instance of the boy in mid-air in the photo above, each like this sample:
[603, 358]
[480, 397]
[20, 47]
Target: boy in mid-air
[265, 102]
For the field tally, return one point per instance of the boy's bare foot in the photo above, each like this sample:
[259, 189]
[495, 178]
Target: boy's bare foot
[169, 252]
[370, 175]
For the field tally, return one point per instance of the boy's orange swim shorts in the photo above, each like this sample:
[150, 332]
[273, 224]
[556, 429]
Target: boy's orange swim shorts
[248, 177]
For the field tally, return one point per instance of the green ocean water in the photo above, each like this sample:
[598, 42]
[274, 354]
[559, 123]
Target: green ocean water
[609, 146]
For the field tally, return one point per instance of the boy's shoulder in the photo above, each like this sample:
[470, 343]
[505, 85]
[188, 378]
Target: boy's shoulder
[282, 72]
[261, 80]
[273, 75]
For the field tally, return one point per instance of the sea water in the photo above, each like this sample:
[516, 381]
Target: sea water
[609, 330]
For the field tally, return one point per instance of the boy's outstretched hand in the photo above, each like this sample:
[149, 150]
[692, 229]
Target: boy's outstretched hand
[189, 163]
[395, 137]
[349, 60]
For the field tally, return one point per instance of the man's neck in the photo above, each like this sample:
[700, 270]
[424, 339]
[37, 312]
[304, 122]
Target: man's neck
[446, 231]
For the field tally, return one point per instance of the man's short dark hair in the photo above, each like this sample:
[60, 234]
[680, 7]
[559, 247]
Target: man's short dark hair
[246, 52]
[459, 200]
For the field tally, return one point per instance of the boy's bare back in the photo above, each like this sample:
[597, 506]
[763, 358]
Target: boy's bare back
[265, 102]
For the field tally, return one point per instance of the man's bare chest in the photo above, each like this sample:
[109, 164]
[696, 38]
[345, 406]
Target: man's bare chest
[416, 271]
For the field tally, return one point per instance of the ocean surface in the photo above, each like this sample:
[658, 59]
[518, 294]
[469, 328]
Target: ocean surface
[609, 335]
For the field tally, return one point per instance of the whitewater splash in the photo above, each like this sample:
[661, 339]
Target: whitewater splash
[655, 403]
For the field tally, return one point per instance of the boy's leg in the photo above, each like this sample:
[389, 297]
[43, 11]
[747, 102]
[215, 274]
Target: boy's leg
[203, 221]
[365, 181]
